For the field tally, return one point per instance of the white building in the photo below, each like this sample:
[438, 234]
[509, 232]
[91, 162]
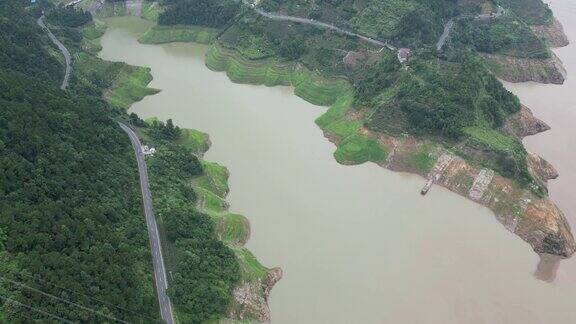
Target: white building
[148, 150]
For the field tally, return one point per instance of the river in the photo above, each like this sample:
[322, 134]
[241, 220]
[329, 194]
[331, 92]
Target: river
[357, 244]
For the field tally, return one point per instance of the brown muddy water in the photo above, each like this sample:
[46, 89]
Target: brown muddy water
[357, 244]
[556, 105]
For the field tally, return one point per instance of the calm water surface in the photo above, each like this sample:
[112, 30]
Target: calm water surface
[357, 244]
[556, 105]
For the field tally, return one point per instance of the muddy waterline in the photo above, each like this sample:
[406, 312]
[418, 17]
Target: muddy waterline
[357, 244]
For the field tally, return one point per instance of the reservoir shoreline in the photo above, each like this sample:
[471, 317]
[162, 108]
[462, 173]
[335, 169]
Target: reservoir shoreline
[378, 276]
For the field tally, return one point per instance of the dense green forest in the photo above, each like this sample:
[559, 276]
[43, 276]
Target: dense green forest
[69, 16]
[506, 36]
[204, 270]
[68, 231]
[405, 22]
[533, 12]
[73, 239]
[199, 12]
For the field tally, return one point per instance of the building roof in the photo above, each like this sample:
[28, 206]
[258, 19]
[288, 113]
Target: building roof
[404, 53]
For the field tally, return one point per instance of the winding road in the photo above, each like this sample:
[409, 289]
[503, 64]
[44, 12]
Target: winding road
[450, 24]
[62, 49]
[313, 22]
[155, 246]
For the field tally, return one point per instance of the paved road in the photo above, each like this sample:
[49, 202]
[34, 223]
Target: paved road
[450, 24]
[312, 22]
[64, 51]
[73, 3]
[155, 247]
[445, 34]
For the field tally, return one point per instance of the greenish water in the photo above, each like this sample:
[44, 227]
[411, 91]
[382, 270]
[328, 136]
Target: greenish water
[357, 244]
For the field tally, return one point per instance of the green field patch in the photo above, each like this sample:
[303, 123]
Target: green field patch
[195, 140]
[241, 70]
[307, 85]
[92, 35]
[252, 270]
[125, 84]
[334, 121]
[421, 160]
[358, 149]
[215, 179]
[169, 34]
[318, 90]
[232, 228]
[493, 139]
[210, 202]
[130, 86]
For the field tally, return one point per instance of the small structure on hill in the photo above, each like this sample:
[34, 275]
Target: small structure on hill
[148, 150]
[404, 55]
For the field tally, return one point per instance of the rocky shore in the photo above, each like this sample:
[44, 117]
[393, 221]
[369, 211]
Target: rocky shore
[514, 69]
[536, 220]
[553, 33]
[551, 70]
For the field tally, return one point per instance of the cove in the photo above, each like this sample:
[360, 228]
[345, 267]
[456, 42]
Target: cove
[357, 244]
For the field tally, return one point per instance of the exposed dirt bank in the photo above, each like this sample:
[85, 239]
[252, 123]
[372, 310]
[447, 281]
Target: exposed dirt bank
[250, 302]
[553, 33]
[524, 124]
[536, 220]
[514, 69]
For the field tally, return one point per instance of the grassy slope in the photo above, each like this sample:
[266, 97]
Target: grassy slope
[130, 86]
[163, 34]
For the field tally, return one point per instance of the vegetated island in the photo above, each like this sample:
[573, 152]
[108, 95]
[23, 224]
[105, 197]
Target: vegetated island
[427, 102]
[71, 223]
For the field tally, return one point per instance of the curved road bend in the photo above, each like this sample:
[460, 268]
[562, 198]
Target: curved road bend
[155, 247]
[450, 24]
[62, 49]
[306, 21]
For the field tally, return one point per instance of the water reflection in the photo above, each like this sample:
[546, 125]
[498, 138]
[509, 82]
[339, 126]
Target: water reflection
[547, 267]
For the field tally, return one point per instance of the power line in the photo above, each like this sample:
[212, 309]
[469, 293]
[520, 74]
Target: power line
[37, 310]
[92, 298]
[63, 300]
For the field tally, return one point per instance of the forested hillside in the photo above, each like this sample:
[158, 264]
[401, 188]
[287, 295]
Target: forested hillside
[73, 240]
[70, 207]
